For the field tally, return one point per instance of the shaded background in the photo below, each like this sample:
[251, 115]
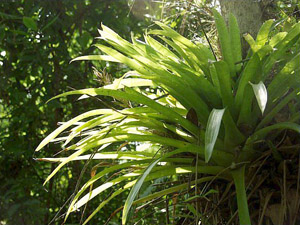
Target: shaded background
[37, 41]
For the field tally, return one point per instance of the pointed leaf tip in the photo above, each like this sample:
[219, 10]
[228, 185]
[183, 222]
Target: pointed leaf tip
[135, 189]
[212, 131]
[261, 95]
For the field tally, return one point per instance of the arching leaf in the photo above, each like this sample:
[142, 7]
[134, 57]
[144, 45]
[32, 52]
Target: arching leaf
[261, 95]
[212, 131]
[134, 191]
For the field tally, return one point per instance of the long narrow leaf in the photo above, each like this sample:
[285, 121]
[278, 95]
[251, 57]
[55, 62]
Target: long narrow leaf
[55, 133]
[139, 98]
[212, 131]
[134, 191]
[261, 95]
[247, 75]
[268, 118]
[95, 57]
[235, 40]
[224, 41]
[239, 182]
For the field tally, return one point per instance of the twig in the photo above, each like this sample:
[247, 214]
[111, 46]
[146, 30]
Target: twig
[206, 37]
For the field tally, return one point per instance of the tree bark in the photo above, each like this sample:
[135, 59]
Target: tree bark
[248, 14]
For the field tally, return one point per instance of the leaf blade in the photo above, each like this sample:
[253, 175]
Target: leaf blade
[212, 131]
[134, 191]
[261, 95]
[224, 41]
[30, 23]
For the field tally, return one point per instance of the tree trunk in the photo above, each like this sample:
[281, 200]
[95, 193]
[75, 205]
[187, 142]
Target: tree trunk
[248, 14]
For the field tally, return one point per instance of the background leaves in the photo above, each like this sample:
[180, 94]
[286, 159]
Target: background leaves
[38, 40]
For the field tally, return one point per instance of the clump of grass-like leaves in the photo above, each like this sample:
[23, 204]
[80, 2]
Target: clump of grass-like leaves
[224, 132]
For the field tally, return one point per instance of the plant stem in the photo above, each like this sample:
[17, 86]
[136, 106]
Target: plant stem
[239, 182]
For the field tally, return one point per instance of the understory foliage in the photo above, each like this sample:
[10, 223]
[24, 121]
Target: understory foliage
[37, 41]
[216, 138]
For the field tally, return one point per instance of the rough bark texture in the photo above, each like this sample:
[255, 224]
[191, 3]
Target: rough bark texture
[249, 16]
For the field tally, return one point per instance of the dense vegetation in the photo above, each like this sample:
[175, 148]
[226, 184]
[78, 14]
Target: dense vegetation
[37, 43]
[38, 40]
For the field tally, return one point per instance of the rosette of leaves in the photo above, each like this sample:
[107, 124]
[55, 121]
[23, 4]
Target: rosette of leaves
[209, 118]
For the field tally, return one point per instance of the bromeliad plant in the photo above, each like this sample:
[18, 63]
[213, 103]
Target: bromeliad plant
[209, 119]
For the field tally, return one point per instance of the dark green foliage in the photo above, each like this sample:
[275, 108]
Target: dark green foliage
[38, 40]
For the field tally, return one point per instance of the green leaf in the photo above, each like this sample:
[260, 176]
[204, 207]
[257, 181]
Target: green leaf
[148, 68]
[268, 118]
[262, 133]
[172, 189]
[134, 191]
[165, 172]
[212, 131]
[125, 136]
[95, 57]
[224, 41]
[50, 23]
[130, 82]
[264, 50]
[133, 64]
[64, 162]
[181, 53]
[233, 135]
[277, 38]
[132, 95]
[160, 48]
[148, 197]
[246, 116]
[261, 95]
[224, 79]
[235, 40]
[84, 39]
[214, 78]
[286, 79]
[239, 182]
[55, 133]
[198, 83]
[192, 209]
[211, 191]
[254, 47]
[30, 23]
[248, 75]
[97, 177]
[199, 55]
[263, 33]
[281, 47]
[114, 39]
[105, 155]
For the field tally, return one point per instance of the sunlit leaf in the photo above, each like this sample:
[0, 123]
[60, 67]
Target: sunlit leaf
[55, 133]
[262, 36]
[212, 131]
[174, 99]
[95, 57]
[261, 95]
